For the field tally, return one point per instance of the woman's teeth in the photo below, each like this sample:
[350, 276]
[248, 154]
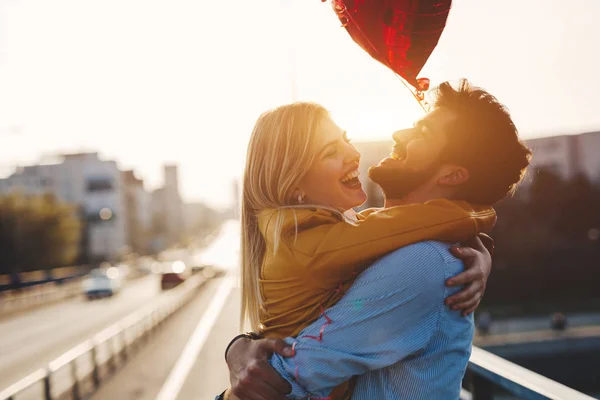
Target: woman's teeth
[350, 175]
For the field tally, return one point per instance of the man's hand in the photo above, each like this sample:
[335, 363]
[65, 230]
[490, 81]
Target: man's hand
[251, 376]
[478, 266]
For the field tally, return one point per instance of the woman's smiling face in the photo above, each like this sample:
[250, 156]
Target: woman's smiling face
[332, 179]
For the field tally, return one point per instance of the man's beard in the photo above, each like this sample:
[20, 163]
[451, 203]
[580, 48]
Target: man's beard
[397, 183]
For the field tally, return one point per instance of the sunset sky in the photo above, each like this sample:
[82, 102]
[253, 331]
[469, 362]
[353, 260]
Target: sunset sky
[148, 81]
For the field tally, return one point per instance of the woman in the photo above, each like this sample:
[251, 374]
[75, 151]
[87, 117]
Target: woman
[300, 252]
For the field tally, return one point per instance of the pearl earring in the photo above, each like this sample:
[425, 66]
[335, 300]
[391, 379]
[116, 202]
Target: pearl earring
[300, 199]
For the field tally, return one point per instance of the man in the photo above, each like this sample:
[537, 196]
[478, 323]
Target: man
[391, 328]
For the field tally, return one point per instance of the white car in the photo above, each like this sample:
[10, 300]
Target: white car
[102, 283]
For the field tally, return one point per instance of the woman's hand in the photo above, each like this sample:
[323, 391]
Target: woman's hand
[478, 266]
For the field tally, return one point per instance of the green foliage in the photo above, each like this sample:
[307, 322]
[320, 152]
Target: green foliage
[37, 232]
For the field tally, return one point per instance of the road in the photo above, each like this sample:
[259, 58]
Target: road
[32, 339]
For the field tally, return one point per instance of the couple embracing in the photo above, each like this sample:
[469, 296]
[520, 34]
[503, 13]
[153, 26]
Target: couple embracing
[376, 304]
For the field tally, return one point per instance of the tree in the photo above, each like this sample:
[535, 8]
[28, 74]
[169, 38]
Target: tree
[36, 233]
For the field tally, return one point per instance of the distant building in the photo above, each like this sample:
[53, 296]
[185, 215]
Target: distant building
[200, 218]
[173, 205]
[555, 153]
[195, 214]
[118, 214]
[138, 223]
[566, 155]
[93, 185]
[168, 225]
[159, 220]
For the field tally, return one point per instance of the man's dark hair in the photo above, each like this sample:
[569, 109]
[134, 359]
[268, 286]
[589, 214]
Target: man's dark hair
[483, 139]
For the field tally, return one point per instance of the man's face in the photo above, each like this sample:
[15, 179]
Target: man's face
[416, 156]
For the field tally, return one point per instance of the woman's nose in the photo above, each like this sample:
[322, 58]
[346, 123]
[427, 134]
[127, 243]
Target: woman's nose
[352, 155]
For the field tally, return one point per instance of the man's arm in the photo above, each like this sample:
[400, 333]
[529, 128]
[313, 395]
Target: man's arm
[256, 380]
[391, 312]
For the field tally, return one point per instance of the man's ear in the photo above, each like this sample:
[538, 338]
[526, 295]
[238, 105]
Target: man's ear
[454, 175]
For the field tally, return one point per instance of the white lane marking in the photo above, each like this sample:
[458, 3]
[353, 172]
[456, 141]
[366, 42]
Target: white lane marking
[188, 357]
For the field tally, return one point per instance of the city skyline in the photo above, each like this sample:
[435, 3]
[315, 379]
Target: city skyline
[147, 83]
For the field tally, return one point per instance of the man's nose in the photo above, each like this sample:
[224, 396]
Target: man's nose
[403, 135]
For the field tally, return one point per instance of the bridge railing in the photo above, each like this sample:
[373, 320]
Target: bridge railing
[15, 301]
[487, 372]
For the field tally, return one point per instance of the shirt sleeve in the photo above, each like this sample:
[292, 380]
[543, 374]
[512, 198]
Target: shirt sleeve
[387, 315]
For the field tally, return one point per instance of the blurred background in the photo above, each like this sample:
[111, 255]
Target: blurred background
[124, 127]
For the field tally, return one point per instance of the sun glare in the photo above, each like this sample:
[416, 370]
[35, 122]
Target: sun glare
[376, 123]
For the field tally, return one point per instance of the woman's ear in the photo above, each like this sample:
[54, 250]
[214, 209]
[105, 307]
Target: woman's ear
[454, 176]
[298, 196]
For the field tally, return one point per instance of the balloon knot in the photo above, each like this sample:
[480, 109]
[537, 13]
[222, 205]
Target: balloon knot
[423, 84]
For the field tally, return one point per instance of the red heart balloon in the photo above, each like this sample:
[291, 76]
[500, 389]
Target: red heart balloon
[401, 34]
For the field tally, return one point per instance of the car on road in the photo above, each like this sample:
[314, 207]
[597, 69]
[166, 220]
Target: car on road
[173, 274]
[102, 283]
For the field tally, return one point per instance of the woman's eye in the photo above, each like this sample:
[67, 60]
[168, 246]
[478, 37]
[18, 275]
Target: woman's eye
[332, 152]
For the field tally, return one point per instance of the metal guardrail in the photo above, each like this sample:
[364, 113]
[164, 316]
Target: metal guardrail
[80, 371]
[14, 301]
[487, 371]
[32, 278]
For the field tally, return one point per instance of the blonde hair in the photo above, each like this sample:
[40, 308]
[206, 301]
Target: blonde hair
[280, 152]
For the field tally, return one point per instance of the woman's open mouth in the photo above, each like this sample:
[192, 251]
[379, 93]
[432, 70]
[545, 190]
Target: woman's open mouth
[350, 180]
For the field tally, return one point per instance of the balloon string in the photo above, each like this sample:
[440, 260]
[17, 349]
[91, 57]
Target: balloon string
[341, 9]
[416, 95]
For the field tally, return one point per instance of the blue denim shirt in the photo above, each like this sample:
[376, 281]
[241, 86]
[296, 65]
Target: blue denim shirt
[392, 329]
